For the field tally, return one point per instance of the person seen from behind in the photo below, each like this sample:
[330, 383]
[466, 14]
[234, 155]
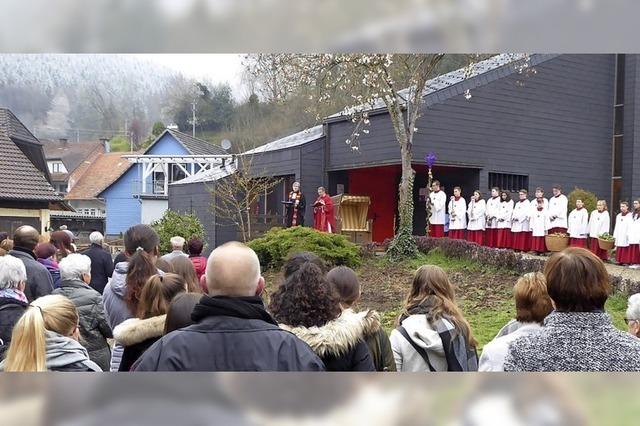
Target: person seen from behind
[432, 332]
[306, 305]
[578, 335]
[232, 330]
[46, 254]
[46, 338]
[122, 294]
[75, 271]
[138, 334]
[532, 306]
[345, 284]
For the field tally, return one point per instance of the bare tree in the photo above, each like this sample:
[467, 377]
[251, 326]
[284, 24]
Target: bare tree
[234, 195]
[396, 82]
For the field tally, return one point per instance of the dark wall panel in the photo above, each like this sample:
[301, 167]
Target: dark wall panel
[553, 126]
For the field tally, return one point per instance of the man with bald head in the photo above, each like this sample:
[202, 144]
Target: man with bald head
[39, 280]
[232, 330]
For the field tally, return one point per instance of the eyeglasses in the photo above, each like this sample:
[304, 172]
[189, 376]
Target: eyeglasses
[628, 320]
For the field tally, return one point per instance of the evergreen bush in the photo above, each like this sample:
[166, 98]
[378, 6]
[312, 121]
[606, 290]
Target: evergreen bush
[588, 198]
[174, 224]
[278, 243]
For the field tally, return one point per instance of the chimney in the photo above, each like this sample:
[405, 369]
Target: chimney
[64, 141]
[105, 144]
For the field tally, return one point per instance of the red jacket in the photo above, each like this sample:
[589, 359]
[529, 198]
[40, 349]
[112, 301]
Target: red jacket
[200, 265]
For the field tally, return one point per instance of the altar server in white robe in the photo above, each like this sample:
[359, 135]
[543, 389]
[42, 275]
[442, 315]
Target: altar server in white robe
[457, 215]
[578, 226]
[538, 223]
[438, 201]
[621, 234]
[476, 212]
[505, 212]
[491, 213]
[520, 232]
[599, 223]
[558, 206]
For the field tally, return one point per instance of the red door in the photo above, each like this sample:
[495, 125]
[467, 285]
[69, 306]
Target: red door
[380, 184]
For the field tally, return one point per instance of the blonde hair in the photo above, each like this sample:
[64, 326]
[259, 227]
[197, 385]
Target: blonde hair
[432, 283]
[27, 351]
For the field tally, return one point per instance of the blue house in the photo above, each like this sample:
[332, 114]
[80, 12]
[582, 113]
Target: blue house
[140, 195]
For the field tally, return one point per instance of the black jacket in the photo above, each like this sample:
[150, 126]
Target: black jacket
[39, 280]
[101, 266]
[10, 312]
[236, 341]
[340, 343]
[94, 327]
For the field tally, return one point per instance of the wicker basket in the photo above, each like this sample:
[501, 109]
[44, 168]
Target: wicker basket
[556, 243]
[606, 245]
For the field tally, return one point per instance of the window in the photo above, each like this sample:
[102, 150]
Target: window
[158, 182]
[508, 182]
[56, 167]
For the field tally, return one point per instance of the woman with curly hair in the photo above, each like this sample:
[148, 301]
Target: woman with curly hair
[432, 333]
[306, 306]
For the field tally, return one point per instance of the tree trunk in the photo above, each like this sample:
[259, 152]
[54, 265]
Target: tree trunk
[403, 244]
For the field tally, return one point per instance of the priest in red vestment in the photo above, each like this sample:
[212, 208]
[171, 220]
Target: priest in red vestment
[323, 215]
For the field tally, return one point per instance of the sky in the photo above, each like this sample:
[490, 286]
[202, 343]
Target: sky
[218, 68]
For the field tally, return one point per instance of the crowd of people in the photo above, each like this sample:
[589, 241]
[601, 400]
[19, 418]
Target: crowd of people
[154, 313]
[522, 225]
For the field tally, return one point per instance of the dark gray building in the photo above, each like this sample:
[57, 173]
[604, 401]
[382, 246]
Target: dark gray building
[568, 119]
[296, 157]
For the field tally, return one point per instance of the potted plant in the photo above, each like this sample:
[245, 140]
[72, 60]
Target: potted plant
[606, 241]
[557, 241]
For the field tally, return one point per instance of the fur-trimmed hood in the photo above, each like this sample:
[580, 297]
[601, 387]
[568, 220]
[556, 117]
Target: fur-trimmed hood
[136, 330]
[339, 336]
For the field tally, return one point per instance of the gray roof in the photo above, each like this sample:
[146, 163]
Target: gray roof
[453, 78]
[211, 175]
[14, 127]
[290, 141]
[195, 146]
[72, 154]
[20, 179]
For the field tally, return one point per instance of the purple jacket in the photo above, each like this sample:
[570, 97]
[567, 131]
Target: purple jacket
[54, 270]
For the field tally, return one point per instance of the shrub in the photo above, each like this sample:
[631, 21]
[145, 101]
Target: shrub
[173, 224]
[588, 198]
[277, 244]
[425, 244]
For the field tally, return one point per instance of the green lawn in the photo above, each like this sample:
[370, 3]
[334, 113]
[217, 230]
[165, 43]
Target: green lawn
[486, 299]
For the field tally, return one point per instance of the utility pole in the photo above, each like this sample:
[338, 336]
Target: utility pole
[193, 118]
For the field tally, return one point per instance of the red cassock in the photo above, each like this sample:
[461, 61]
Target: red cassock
[578, 242]
[635, 254]
[595, 249]
[538, 244]
[503, 238]
[323, 216]
[491, 237]
[520, 240]
[456, 234]
[475, 237]
[436, 231]
[624, 255]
